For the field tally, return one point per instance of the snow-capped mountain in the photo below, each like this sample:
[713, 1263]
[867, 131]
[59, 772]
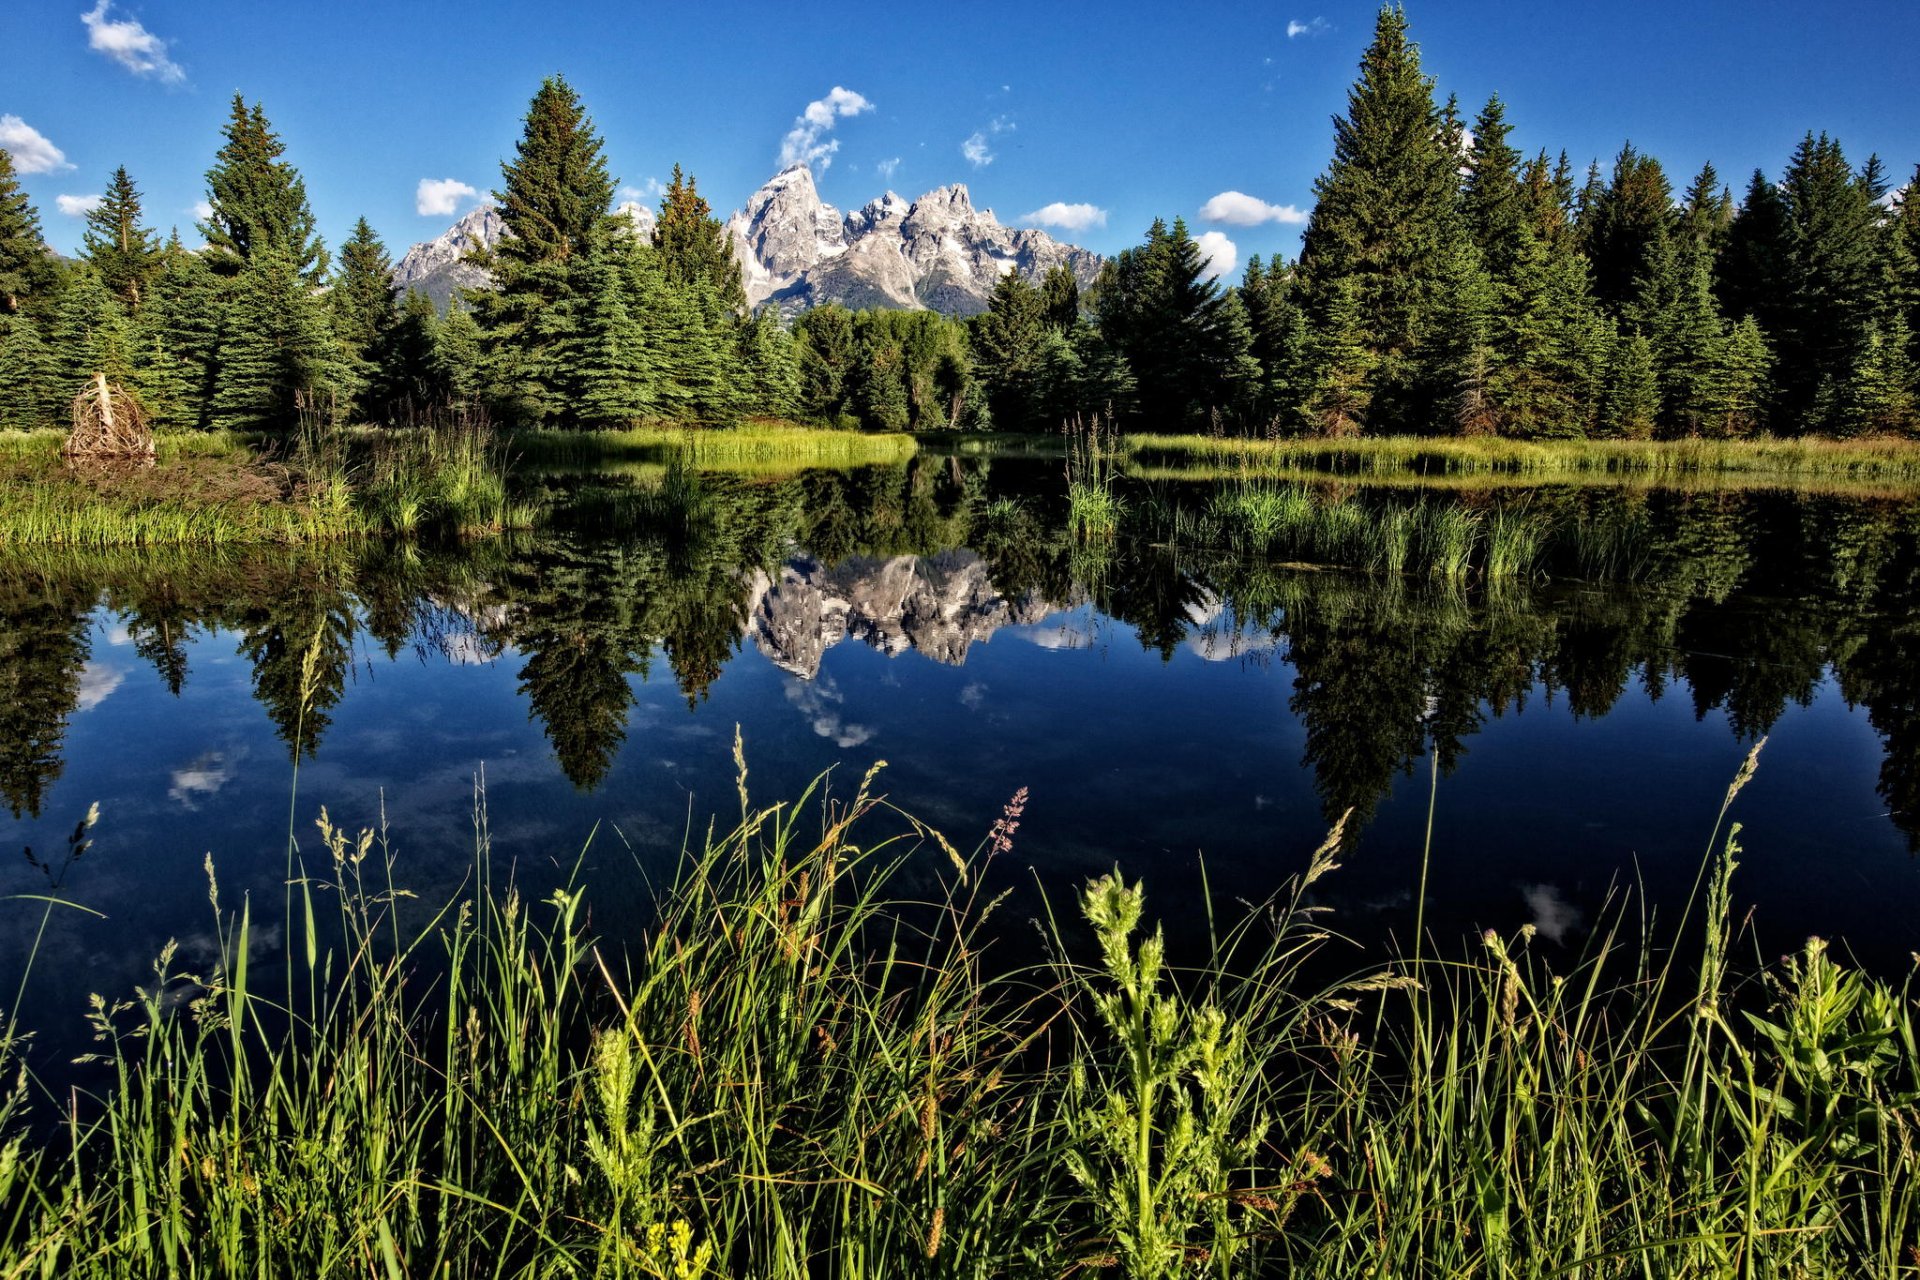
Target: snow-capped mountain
[937, 252]
[797, 251]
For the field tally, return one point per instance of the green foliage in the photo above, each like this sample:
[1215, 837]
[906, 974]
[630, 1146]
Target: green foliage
[1830, 285]
[125, 253]
[90, 333]
[1385, 221]
[26, 268]
[693, 245]
[362, 314]
[28, 377]
[1631, 400]
[277, 362]
[259, 200]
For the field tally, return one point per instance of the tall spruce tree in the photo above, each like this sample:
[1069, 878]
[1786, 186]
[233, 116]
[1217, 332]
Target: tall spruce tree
[362, 312]
[27, 376]
[1006, 352]
[693, 245]
[1385, 222]
[276, 363]
[125, 253]
[1492, 195]
[177, 336]
[90, 334]
[1627, 235]
[1060, 296]
[1832, 283]
[555, 200]
[26, 266]
[259, 200]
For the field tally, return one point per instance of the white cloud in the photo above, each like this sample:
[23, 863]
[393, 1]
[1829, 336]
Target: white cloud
[96, 684]
[805, 142]
[1238, 209]
[441, 197]
[200, 780]
[1222, 254]
[1068, 217]
[976, 150]
[76, 206]
[651, 189]
[1311, 27]
[887, 168]
[31, 151]
[1553, 915]
[131, 45]
[202, 210]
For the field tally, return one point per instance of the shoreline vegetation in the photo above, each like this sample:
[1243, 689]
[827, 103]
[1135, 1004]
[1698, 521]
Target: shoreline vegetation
[809, 1063]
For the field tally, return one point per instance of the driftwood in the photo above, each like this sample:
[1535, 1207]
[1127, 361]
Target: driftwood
[108, 426]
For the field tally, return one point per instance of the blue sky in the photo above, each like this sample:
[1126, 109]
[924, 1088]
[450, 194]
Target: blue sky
[1101, 117]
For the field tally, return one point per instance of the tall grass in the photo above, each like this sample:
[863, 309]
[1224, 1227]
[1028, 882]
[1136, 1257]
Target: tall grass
[1094, 510]
[755, 445]
[808, 1065]
[1882, 459]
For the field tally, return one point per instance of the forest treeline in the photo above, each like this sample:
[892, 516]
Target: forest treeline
[1447, 284]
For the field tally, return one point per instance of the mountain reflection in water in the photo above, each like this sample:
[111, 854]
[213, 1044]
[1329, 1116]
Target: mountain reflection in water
[1164, 699]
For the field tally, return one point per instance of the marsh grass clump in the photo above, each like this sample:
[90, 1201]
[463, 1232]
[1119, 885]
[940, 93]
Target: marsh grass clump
[808, 1062]
[1094, 509]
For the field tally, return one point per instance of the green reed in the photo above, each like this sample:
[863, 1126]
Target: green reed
[807, 1064]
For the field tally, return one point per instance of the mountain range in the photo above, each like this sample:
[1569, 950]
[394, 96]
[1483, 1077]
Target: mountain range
[797, 251]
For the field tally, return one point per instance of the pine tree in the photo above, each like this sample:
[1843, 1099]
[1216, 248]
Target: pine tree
[1627, 236]
[276, 358]
[555, 201]
[461, 363]
[26, 267]
[1750, 273]
[27, 376]
[770, 366]
[1631, 403]
[825, 346]
[1339, 385]
[615, 366]
[1006, 352]
[125, 253]
[362, 313]
[1832, 278]
[693, 245]
[90, 334]
[1492, 196]
[412, 378]
[1459, 359]
[1385, 220]
[1877, 394]
[259, 200]
[1060, 299]
[1732, 395]
[176, 337]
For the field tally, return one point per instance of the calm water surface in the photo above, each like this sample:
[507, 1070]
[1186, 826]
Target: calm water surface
[1166, 709]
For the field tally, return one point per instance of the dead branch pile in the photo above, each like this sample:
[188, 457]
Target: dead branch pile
[108, 425]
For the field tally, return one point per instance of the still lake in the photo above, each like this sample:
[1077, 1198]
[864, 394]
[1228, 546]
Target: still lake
[1167, 707]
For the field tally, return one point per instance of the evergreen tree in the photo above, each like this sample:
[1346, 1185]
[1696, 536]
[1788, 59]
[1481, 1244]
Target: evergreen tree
[461, 364]
[1631, 401]
[125, 253]
[1732, 394]
[1006, 352]
[1877, 394]
[1903, 255]
[90, 334]
[259, 200]
[770, 366]
[412, 375]
[1459, 360]
[1385, 220]
[362, 313]
[1750, 273]
[1339, 383]
[26, 267]
[27, 376]
[555, 202]
[1628, 236]
[176, 337]
[1832, 279]
[616, 367]
[1278, 332]
[1060, 299]
[824, 340]
[276, 358]
[694, 246]
[1492, 195]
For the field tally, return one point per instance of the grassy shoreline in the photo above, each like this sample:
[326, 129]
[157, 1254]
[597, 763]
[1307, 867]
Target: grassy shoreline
[805, 1067]
[1884, 460]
